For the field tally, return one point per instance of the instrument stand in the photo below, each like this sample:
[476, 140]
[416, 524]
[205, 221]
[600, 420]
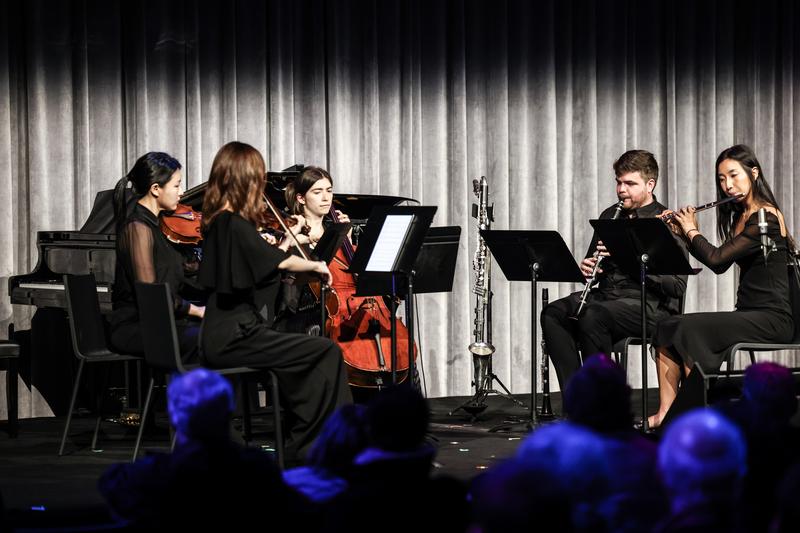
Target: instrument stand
[643, 246]
[484, 377]
[531, 256]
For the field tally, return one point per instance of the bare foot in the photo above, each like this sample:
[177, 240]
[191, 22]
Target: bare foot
[653, 421]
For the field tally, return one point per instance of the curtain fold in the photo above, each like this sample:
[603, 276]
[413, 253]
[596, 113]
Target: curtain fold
[413, 98]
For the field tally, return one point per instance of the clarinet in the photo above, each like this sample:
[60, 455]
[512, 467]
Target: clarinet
[547, 409]
[593, 278]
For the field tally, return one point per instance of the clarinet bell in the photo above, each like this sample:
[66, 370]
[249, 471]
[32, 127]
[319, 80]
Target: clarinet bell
[481, 348]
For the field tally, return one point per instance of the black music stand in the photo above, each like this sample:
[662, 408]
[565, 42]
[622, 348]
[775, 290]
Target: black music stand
[434, 268]
[388, 251]
[326, 248]
[532, 256]
[643, 246]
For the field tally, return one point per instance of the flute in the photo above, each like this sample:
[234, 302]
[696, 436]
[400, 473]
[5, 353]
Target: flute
[670, 216]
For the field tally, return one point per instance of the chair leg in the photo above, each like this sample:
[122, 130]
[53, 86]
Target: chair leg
[100, 392]
[173, 434]
[143, 418]
[276, 416]
[138, 367]
[11, 397]
[71, 407]
[624, 358]
[247, 429]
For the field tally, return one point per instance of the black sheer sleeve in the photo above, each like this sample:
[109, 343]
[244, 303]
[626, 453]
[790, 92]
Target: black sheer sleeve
[719, 259]
[138, 241]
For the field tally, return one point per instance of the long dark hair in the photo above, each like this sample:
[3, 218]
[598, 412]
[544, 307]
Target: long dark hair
[301, 185]
[237, 177]
[152, 167]
[728, 214]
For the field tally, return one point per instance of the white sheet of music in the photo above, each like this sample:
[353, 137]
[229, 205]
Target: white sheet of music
[391, 238]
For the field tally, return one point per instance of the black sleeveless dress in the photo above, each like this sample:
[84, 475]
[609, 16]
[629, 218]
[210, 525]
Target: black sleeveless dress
[763, 310]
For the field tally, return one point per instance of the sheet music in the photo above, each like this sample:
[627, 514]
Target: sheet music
[387, 248]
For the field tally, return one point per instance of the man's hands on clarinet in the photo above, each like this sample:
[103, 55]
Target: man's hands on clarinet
[588, 263]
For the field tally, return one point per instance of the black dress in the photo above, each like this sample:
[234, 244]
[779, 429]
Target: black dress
[145, 255]
[763, 310]
[241, 270]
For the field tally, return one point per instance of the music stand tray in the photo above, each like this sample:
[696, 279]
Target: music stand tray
[643, 246]
[532, 256]
[388, 250]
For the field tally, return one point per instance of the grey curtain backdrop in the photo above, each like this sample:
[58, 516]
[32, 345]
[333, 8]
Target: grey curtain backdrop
[411, 98]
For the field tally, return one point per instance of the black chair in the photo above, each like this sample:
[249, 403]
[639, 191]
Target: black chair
[88, 341]
[9, 355]
[162, 353]
[620, 349]
[794, 344]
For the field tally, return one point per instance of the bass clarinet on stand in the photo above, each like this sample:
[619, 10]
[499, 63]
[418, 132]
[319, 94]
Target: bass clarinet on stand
[481, 348]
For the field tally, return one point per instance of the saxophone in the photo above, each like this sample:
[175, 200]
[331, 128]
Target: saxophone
[481, 264]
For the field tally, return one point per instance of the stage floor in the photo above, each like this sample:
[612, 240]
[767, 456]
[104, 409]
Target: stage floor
[32, 476]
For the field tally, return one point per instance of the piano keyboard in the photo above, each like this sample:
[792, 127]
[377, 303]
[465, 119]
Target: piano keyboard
[54, 286]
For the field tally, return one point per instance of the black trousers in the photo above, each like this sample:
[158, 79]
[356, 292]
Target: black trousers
[311, 376]
[126, 338]
[602, 323]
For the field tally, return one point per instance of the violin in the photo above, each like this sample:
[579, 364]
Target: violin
[182, 226]
[272, 224]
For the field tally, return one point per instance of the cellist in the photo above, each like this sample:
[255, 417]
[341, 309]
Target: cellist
[310, 196]
[362, 324]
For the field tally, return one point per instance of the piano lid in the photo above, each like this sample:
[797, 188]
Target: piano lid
[357, 206]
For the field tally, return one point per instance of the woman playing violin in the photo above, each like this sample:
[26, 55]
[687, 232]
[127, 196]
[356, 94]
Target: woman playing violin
[243, 273]
[145, 255]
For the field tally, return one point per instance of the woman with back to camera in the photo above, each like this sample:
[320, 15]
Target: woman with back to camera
[763, 310]
[243, 273]
[145, 255]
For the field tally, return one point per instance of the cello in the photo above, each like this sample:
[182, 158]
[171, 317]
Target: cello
[362, 327]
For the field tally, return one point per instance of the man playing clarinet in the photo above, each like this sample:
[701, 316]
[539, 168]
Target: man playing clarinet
[612, 309]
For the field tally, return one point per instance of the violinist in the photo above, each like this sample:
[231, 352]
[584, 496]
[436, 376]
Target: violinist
[144, 254]
[243, 272]
[309, 196]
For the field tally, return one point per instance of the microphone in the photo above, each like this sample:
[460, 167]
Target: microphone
[766, 242]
